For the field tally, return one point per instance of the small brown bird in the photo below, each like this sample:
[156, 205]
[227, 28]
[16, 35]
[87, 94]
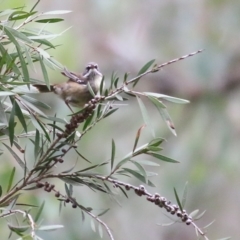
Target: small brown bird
[75, 91]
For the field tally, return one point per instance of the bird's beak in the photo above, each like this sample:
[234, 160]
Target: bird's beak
[96, 71]
[92, 70]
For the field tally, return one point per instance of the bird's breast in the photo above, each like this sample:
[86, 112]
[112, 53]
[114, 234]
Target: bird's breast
[74, 93]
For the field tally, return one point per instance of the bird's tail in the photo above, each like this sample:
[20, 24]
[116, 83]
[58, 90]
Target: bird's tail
[43, 88]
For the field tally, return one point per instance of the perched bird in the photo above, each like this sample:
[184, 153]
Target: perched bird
[75, 91]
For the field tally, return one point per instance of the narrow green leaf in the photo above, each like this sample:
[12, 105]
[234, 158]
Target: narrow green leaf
[79, 154]
[125, 77]
[34, 5]
[226, 238]
[6, 12]
[118, 97]
[18, 229]
[137, 137]
[46, 43]
[166, 224]
[83, 216]
[67, 190]
[20, 15]
[145, 115]
[39, 212]
[50, 228]
[4, 94]
[26, 100]
[70, 169]
[116, 82]
[143, 70]
[20, 116]
[90, 89]
[28, 58]
[200, 215]
[56, 12]
[161, 157]
[54, 126]
[17, 158]
[108, 189]
[55, 63]
[164, 114]
[110, 112]
[87, 122]
[141, 169]
[23, 65]
[15, 83]
[156, 102]
[9, 60]
[37, 103]
[21, 58]
[193, 213]
[166, 117]
[40, 127]
[41, 41]
[11, 179]
[106, 92]
[177, 199]
[113, 76]
[102, 86]
[123, 191]
[45, 56]
[99, 112]
[50, 20]
[122, 162]
[154, 149]
[10, 202]
[156, 142]
[71, 189]
[208, 225]
[56, 119]
[139, 150]
[16, 34]
[113, 154]
[17, 15]
[36, 144]
[100, 231]
[11, 123]
[91, 167]
[184, 196]
[103, 212]
[44, 71]
[166, 97]
[148, 163]
[93, 225]
[146, 67]
[138, 176]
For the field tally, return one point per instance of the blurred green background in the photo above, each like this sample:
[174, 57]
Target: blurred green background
[122, 36]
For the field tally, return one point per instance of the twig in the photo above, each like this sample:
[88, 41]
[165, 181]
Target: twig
[102, 223]
[158, 200]
[25, 214]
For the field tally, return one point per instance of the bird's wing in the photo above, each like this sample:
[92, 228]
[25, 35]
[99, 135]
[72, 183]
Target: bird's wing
[74, 77]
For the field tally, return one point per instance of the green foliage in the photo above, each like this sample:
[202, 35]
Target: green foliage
[22, 47]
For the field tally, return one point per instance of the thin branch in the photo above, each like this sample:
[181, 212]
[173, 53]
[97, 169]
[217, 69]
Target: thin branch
[25, 214]
[154, 69]
[102, 223]
[158, 200]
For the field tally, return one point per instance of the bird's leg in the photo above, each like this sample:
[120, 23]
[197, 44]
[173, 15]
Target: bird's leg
[67, 103]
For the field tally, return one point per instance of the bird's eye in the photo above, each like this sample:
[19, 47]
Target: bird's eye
[96, 66]
[88, 68]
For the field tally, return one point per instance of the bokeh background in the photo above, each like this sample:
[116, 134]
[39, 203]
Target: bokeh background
[121, 36]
